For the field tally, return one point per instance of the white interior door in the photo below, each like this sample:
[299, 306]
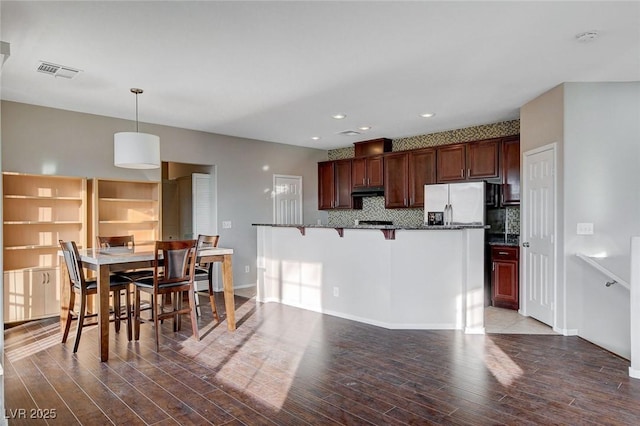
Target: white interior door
[287, 199]
[202, 193]
[538, 234]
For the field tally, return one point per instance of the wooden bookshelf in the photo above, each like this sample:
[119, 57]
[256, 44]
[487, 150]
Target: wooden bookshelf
[38, 210]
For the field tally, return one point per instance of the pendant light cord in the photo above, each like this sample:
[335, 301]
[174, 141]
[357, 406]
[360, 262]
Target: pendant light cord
[136, 112]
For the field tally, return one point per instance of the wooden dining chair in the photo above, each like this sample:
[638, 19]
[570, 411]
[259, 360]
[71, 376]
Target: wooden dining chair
[204, 272]
[126, 241]
[89, 286]
[173, 274]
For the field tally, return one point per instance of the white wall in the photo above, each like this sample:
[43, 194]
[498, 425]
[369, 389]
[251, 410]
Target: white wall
[597, 128]
[602, 151]
[50, 141]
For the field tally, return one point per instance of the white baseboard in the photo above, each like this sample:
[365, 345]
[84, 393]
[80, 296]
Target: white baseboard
[634, 372]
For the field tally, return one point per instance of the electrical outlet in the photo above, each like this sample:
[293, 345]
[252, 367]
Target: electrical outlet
[585, 229]
[336, 292]
[226, 224]
[247, 269]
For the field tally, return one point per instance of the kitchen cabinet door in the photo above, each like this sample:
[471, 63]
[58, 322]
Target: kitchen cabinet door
[483, 159]
[511, 171]
[368, 172]
[342, 188]
[326, 172]
[422, 171]
[334, 185]
[396, 180]
[504, 277]
[451, 163]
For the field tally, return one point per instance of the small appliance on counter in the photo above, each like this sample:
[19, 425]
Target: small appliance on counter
[455, 204]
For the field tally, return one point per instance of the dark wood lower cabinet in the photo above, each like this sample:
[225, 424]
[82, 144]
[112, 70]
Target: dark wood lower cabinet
[504, 277]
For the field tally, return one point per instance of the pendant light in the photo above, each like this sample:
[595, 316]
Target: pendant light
[134, 150]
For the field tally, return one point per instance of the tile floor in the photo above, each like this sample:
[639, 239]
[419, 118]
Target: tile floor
[507, 321]
[497, 320]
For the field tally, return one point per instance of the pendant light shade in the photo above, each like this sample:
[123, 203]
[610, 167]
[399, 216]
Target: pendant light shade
[134, 150]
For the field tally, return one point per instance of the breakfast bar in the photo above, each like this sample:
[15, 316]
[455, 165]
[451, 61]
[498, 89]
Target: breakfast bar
[426, 277]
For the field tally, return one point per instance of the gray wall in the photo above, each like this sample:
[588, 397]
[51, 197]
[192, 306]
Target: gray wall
[50, 141]
[597, 129]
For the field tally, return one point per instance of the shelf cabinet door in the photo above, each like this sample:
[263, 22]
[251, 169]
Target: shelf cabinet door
[483, 159]
[422, 171]
[511, 171]
[451, 160]
[31, 294]
[396, 182]
[504, 277]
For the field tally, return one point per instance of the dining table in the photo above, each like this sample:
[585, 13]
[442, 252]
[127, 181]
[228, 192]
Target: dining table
[104, 261]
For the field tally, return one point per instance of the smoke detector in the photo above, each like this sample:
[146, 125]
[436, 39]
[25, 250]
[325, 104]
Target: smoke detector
[587, 36]
[57, 70]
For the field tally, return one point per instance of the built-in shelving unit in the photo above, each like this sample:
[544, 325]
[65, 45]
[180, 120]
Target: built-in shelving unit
[38, 210]
[121, 207]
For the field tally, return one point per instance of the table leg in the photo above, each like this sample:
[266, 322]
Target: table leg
[103, 312]
[227, 283]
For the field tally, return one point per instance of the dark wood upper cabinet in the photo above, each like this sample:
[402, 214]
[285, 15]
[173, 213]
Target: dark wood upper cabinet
[396, 181]
[326, 185]
[334, 186]
[368, 172]
[372, 147]
[483, 159]
[452, 163]
[511, 171]
[422, 171]
[469, 161]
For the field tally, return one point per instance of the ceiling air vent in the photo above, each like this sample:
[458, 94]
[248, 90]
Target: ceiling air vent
[349, 133]
[57, 70]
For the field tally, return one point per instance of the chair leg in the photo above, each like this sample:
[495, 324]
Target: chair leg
[156, 322]
[127, 305]
[83, 311]
[67, 323]
[212, 298]
[177, 306]
[116, 310]
[192, 305]
[136, 314]
[197, 295]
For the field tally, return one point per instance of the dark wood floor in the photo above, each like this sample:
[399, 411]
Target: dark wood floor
[288, 366]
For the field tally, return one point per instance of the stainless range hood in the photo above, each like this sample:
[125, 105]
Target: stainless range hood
[373, 191]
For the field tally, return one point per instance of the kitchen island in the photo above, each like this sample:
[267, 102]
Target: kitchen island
[390, 276]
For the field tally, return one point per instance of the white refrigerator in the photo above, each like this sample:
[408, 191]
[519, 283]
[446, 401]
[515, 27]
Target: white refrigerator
[459, 203]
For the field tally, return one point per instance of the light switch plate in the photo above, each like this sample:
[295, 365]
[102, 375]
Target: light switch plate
[585, 229]
[226, 224]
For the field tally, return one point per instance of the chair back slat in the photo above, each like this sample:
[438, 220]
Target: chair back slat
[74, 265]
[207, 241]
[178, 261]
[117, 241]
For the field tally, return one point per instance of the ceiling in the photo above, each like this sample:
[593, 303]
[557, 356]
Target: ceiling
[278, 71]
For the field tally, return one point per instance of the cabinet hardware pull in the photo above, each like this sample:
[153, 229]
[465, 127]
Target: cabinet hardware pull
[461, 172]
[503, 253]
[468, 172]
[493, 266]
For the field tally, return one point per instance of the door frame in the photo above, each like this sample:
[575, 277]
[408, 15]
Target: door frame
[273, 198]
[525, 223]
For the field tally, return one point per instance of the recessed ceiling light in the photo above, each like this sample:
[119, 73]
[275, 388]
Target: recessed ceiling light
[587, 36]
[315, 138]
[339, 116]
[364, 127]
[427, 114]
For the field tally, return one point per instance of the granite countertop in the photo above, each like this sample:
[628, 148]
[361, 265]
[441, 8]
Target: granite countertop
[391, 227]
[512, 240]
